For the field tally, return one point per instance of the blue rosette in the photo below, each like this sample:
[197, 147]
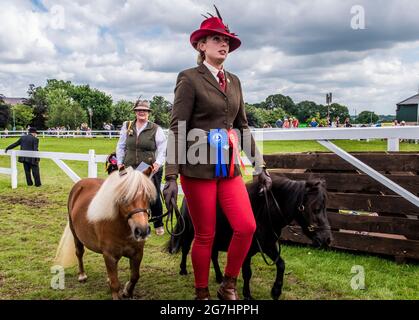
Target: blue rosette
[218, 139]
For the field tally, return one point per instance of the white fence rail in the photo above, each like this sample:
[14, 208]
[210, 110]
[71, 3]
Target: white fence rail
[91, 158]
[65, 134]
[322, 135]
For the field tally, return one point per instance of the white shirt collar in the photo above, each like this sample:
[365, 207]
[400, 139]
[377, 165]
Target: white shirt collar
[213, 70]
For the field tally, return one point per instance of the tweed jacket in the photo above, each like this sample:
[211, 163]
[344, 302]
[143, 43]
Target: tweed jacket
[200, 106]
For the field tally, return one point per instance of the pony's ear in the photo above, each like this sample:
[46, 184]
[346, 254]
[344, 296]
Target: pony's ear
[314, 185]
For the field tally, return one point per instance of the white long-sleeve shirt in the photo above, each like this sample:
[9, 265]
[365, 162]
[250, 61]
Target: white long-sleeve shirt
[214, 71]
[161, 143]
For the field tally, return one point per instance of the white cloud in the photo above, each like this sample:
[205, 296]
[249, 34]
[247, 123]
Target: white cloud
[302, 49]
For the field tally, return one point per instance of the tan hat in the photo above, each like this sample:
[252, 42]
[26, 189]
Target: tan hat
[142, 105]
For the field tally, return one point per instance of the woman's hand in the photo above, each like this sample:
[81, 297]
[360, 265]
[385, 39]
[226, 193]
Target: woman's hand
[155, 167]
[170, 191]
[265, 180]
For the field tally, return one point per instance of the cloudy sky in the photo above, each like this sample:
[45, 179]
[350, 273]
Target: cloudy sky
[303, 49]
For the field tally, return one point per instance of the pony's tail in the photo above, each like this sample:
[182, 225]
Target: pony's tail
[66, 251]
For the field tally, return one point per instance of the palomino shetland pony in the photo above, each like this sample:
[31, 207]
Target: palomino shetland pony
[110, 217]
[302, 201]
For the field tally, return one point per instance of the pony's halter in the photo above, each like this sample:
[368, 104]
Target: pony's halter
[310, 227]
[139, 210]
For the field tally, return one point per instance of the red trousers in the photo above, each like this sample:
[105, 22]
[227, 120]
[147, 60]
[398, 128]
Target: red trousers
[201, 198]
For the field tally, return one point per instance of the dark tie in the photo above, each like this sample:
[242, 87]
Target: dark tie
[222, 79]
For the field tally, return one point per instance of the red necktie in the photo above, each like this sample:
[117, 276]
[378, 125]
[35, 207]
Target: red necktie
[220, 76]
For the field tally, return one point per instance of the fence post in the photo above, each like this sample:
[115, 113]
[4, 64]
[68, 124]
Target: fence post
[92, 171]
[393, 144]
[13, 166]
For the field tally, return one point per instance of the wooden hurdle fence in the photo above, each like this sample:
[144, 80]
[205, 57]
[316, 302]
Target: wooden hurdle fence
[364, 214]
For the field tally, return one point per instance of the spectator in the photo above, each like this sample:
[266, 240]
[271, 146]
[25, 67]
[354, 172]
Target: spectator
[313, 123]
[395, 123]
[279, 123]
[29, 142]
[337, 122]
[295, 123]
[286, 124]
[347, 123]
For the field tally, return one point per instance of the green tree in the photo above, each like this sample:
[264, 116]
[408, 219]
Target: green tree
[279, 101]
[253, 115]
[63, 110]
[335, 110]
[271, 116]
[98, 101]
[4, 113]
[367, 117]
[23, 115]
[161, 111]
[306, 110]
[38, 101]
[122, 111]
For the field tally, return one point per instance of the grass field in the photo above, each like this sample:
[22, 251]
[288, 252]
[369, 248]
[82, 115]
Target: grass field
[32, 221]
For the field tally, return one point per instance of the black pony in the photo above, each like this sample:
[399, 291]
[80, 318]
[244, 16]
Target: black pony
[302, 201]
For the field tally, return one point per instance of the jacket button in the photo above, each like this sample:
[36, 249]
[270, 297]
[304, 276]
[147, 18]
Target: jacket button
[225, 122]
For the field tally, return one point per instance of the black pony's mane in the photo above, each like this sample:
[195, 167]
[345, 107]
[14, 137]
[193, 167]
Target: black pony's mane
[288, 193]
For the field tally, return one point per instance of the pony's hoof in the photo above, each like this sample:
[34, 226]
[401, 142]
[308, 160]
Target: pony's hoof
[125, 293]
[276, 293]
[183, 272]
[82, 278]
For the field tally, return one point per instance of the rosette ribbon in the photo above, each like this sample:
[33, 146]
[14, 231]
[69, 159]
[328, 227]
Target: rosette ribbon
[218, 140]
[233, 141]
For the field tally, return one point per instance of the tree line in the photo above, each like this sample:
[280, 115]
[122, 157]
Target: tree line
[63, 104]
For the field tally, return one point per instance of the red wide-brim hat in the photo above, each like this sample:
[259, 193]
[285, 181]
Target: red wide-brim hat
[211, 26]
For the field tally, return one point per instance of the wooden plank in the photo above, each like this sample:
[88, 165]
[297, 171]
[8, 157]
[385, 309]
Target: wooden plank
[401, 226]
[380, 161]
[363, 243]
[346, 182]
[371, 203]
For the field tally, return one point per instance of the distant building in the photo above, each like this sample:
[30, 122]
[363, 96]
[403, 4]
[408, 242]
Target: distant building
[408, 110]
[13, 101]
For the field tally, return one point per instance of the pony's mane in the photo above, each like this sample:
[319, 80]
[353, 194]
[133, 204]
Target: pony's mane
[291, 192]
[119, 190]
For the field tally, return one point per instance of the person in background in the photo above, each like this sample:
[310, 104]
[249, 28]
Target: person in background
[347, 123]
[144, 141]
[337, 122]
[29, 142]
[313, 123]
[279, 123]
[286, 124]
[295, 123]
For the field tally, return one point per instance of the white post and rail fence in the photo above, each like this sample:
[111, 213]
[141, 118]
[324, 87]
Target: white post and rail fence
[322, 135]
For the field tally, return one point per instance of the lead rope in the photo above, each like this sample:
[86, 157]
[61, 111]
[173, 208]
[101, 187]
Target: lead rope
[274, 262]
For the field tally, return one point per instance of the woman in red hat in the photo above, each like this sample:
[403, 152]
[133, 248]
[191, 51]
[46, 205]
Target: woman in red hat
[209, 101]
